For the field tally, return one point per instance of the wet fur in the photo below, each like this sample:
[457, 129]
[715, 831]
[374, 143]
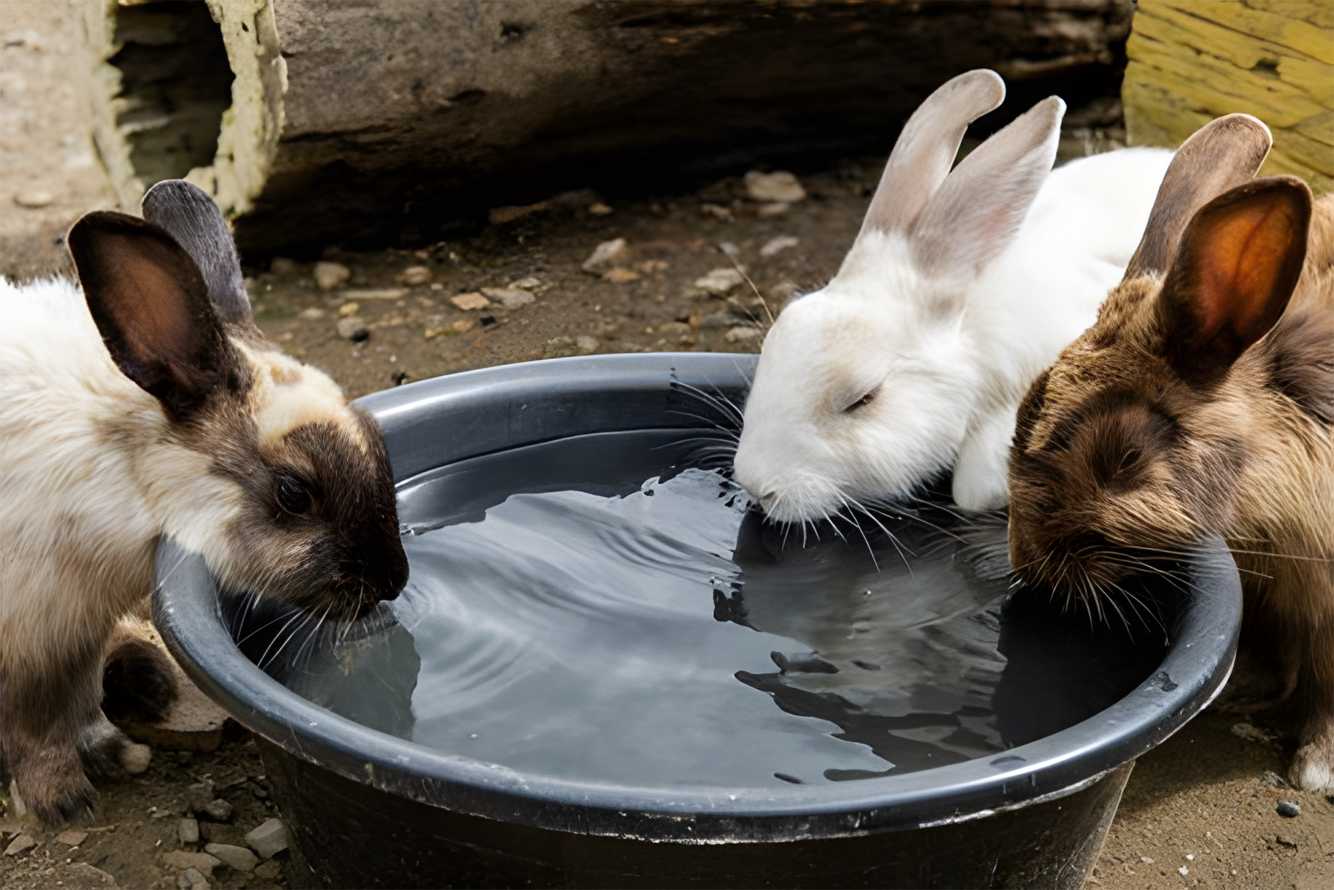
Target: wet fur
[95, 466]
[1117, 457]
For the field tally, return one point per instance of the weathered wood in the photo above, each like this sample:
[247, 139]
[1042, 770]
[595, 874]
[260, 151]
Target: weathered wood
[1193, 60]
[372, 120]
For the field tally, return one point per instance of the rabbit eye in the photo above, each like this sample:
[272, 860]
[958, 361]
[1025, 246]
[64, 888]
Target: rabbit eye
[1129, 458]
[862, 402]
[293, 495]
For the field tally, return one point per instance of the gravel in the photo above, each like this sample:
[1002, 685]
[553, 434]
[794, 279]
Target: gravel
[331, 275]
[268, 839]
[238, 858]
[606, 255]
[777, 187]
[720, 282]
[1288, 809]
[354, 329]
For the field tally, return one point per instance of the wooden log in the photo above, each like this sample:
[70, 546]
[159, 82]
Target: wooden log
[1193, 60]
[319, 120]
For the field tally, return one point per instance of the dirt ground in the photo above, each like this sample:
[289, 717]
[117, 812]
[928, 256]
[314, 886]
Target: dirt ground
[1199, 810]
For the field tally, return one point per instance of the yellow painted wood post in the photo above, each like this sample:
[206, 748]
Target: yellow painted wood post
[1193, 60]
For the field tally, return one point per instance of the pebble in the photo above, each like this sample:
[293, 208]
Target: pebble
[463, 326]
[716, 320]
[184, 859]
[415, 276]
[775, 246]
[720, 282]
[281, 265]
[331, 275]
[1251, 733]
[502, 215]
[509, 297]
[674, 329]
[620, 275]
[216, 810]
[1273, 779]
[558, 346]
[187, 830]
[743, 335]
[34, 200]
[314, 313]
[238, 858]
[376, 293]
[191, 879]
[356, 330]
[1288, 809]
[606, 255]
[1284, 840]
[91, 874]
[653, 267]
[1183, 871]
[772, 209]
[470, 301]
[348, 309]
[779, 186]
[268, 871]
[528, 282]
[729, 248]
[71, 838]
[600, 209]
[268, 839]
[586, 344]
[717, 211]
[21, 844]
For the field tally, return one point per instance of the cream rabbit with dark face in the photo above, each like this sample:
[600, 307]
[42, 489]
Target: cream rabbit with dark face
[140, 402]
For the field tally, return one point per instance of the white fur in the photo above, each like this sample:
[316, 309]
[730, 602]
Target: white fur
[83, 506]
[956, 348]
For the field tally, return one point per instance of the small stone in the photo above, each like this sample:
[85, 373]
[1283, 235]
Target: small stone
[463, 325]
[606, 255]
[653, 267]
[238, 858]
[281, 265]
[717, 320]
[674, 329]
[502, 215]
[1273, 779]
[1251, 733]
[218, 810]
[354, 329]
[743, 335]
[717, 211]
[620, 275]
[600, 209]
[348, 309]
[1190, 857]
[21, 844]
[314, 313]
[331, 275]
[1288, 809]
[509, 297]
[191, 879]
[268, 871]
[470, 301]
[398, 378]
[33, 200]
[1147, 860]
[376, 293]
[772, 209]
[1284, 840]
[729, 248]
[71, 838]
[528, 282]
[415, 276]
[268, 839]
[775, 246]
[183, 859]
[586, 344]
[188, 831]
[91, 875]
[1183, 871]
[558, 346]
[720, 282]
[766, 188]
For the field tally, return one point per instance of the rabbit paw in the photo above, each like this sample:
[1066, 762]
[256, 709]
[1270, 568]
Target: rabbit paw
[52, 785]
[1313, 766]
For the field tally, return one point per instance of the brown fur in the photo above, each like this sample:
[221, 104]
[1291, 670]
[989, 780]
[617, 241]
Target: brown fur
[1129, 449]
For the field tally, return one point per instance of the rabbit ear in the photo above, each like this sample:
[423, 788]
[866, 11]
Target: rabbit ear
[189, 215]
[1223, 153]
[150, 305]
[1239, 261]
[978, 211]
[925, 150]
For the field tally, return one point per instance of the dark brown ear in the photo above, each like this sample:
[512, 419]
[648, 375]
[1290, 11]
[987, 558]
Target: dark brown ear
[188, 214]
[151, 305]
[1223, 153]
[1239, 261]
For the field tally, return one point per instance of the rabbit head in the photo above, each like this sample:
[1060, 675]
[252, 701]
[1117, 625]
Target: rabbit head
[864, 389]
[253, 458]
[1135, 442]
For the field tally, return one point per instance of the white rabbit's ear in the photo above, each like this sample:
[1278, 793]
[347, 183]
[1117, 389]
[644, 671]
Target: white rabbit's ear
[975, 215]
[925, 150]
[1225, 152]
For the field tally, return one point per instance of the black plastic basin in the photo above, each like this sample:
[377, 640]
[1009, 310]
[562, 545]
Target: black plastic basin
[367, 809]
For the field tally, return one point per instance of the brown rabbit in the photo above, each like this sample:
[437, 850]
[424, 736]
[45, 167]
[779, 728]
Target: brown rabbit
[1201, 401]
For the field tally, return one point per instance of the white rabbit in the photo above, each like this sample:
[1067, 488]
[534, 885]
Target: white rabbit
[147, 403]
[960, 288]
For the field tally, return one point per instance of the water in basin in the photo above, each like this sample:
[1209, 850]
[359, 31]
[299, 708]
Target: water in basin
[596, 609]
